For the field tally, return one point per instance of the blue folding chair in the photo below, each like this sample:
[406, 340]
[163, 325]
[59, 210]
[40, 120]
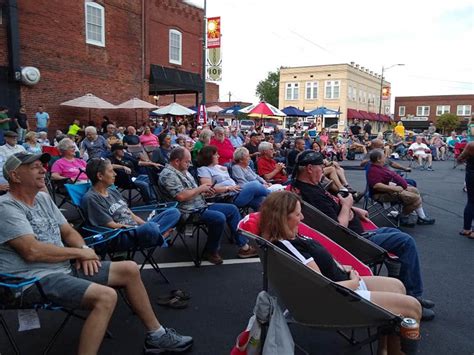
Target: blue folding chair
[11, 292]
[104, 240]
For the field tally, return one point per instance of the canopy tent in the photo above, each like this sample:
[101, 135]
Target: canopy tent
[134, 104]
[89, 101]
[174, 109]
[294, 112]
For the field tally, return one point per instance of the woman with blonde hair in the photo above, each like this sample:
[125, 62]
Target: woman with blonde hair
[280, 216]
[31, 143]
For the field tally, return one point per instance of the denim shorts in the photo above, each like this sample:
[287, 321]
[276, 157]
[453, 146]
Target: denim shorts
[67, 290]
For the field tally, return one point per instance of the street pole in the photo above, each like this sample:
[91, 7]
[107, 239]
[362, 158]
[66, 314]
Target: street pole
[204, 42]
[381, 92]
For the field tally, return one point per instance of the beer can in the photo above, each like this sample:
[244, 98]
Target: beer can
[410, 329]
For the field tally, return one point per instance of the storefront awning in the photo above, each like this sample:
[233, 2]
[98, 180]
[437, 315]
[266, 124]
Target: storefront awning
[365, 115]
[168, 81]
[353, 114]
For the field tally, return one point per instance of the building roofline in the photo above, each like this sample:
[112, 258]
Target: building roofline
[435, 96]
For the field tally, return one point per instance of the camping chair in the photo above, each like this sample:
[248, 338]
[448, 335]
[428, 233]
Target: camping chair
[413, 160]
[107, 247]
[124, 182]
[368, 252]
[379, 208]
[458, 148]
[11, 292]
[315, 301]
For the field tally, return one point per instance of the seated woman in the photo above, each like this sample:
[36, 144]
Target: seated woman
[148, 140]
[249, 194]
[339, 148]
[279, 219]
[438, 146]
[242, 173]
[105, 207]
[68, 167]
[31, 144]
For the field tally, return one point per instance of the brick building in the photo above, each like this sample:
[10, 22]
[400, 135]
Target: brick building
[115, 49]
[416, 112]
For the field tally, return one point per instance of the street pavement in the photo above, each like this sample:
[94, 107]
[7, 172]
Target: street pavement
[223, 296]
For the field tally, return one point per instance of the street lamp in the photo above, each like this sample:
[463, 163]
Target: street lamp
[381, 84]
[204, 59]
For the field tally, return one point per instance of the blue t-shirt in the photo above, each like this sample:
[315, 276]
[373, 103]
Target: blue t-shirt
[42, 119]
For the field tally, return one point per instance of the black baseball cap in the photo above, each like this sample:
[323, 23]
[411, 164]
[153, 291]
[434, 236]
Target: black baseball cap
[308, 157]
[10, 134]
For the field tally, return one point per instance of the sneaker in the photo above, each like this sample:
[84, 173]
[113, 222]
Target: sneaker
[429, 168]
[213, 258]
[426, 220]
[168, 342]
[251, 252]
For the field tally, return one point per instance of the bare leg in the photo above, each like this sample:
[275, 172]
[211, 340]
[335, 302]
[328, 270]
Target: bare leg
[340, 173]
[429, 159]
[330, 173]
[384, 284]
[101, 300]
[126, 274]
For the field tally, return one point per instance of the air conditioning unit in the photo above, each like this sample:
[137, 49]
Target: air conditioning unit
[30, 75]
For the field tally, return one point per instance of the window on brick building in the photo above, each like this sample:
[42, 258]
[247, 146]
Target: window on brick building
[332, 89]
[175, 47]
[441, 109]
[422, 110]
[401, 111]
[95, 24]
[463, 110]
[311, 90]
[292, 91]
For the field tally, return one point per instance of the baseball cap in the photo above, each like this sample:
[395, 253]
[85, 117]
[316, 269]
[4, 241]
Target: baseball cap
[10, 134]
[22, 158]
[254, 134]
[306, 158]
[116, 146]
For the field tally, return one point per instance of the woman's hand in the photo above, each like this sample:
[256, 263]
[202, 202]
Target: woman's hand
[235, 188]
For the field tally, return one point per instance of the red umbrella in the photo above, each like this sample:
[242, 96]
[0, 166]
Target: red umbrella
[262, 109]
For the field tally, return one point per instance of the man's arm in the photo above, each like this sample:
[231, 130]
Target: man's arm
[189, 194]
[33, 250]
[398, 166]
[387, 188]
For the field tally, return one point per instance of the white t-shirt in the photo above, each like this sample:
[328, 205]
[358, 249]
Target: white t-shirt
[419, 149]
[6, 151]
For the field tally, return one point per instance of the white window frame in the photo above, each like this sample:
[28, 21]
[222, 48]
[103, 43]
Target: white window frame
[442, 109]
[313, 90]
[422, 111]
[401, 111]
[101, 9]
[292, 91]
[178, 61]
[329, 89]
[464, 110]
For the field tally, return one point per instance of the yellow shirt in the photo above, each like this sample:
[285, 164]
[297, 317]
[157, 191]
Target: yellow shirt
[400, 130]
[73, 129]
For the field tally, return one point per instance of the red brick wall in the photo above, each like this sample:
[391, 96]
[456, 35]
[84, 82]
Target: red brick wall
[52, 36]
[3, 36]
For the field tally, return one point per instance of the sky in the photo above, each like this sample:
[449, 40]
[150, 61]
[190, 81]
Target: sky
[434, 40]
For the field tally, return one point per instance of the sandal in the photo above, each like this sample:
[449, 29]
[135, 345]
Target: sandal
[469, 235]
[180, 294]
[172, 302]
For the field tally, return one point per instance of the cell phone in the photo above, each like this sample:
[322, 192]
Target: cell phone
[214, 184]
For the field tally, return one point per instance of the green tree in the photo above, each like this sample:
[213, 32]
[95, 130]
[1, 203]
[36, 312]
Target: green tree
[447, 122]
[268, 89]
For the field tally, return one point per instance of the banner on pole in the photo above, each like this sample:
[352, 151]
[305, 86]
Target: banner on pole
[213, 32]
[202, 115]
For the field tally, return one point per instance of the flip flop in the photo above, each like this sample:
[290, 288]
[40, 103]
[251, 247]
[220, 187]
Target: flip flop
[172, 302]
[181, 294]
[469, 235]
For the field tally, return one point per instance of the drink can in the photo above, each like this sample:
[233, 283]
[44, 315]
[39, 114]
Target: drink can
[410, 329]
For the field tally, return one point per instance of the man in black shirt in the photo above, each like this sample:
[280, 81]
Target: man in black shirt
[252, 146]
[355, 128]
[299, 147]
[22, 122]
[309, 171]
[367, 127]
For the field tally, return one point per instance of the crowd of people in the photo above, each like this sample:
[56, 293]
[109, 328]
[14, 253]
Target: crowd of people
[216, 176]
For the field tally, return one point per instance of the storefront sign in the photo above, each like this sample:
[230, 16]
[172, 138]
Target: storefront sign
[414, 118]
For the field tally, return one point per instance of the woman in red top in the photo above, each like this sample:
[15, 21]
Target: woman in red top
[224, 146]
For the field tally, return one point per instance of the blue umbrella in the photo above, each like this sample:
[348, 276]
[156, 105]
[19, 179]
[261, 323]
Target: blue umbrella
[321, 111]
[295, 112]
[233, 110]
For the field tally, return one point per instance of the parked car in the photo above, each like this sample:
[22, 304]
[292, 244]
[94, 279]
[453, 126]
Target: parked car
[269, 127]
[246, 125]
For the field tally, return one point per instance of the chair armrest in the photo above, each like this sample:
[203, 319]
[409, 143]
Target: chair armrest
[12, 281]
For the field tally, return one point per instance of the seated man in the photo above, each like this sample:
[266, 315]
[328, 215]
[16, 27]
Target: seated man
[105, 207]
[268, 168]
[356, 145]
[179, 185]
[37, 241]
[421, 152]
[388, 186]
[308, 176]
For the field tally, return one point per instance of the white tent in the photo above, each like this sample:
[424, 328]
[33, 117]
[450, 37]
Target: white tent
[174, 109]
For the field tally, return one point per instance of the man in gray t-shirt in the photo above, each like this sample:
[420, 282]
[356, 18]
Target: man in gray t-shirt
[36, 240]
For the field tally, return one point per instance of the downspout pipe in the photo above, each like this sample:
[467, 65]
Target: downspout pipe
[13, 35]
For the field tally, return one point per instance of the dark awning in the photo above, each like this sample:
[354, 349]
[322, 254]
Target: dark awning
[365, 115]
[167, 81]
[352, 114]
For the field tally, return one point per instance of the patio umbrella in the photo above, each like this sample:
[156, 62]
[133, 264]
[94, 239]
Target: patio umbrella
[294, 112]
[233, 110]
[134, 104]
[174, 109]
[89, 101]
[214, 109]
[322, 111]
[262, 110]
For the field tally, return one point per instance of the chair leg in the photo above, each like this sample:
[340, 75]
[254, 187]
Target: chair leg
[56, 334]
[148, 258]
[9, 335]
